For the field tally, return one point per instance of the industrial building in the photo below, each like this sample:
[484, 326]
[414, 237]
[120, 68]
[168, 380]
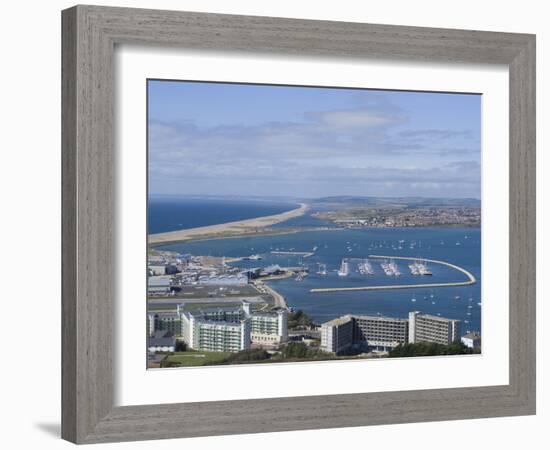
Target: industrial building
[158, 285]
[428, 328]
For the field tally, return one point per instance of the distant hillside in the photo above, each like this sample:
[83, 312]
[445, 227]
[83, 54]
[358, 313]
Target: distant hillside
[402, 201]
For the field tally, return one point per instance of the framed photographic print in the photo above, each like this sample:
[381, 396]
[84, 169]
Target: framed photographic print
[277, 224]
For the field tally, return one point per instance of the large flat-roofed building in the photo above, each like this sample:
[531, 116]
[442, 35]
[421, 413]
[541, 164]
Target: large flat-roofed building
[216, 330]
[223, 280]
[269, 328]
[380, 332]
[158, 285]
[386, 333]
[232, 329]
[337, 334]
[428, 328]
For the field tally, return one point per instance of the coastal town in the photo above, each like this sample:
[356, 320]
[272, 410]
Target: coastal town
[309, 223]
[204, 311]
[387, 217]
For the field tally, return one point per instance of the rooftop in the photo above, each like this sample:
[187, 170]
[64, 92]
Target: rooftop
[338, 321]
[162, 338]
[380, 318]
[438, 318]
[159, 281]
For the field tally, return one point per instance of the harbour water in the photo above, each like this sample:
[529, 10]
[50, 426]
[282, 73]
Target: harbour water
[459, 246]
[170, 214]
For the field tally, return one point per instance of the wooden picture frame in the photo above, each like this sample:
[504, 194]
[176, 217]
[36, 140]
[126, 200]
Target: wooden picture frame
[90, 34]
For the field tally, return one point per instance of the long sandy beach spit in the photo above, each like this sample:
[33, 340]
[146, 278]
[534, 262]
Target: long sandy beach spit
[240, 227]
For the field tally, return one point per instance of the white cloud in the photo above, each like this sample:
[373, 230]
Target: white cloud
[329, 153]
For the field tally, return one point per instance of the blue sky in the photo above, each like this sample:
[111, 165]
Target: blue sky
[234, 139]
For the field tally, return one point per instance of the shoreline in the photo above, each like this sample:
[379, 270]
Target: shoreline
[259, 233]
[238, 228]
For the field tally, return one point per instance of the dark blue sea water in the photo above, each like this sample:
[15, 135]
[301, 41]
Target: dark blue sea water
[460, 246]
[164, 214]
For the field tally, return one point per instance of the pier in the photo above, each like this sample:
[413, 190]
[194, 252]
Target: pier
[283, 253]
[471, 279]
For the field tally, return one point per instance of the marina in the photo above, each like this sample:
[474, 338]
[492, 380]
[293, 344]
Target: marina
[391, 269]
[420, 245]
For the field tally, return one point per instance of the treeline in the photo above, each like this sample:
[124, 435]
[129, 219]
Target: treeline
[293, 351]
[299, 320]
[431, 349]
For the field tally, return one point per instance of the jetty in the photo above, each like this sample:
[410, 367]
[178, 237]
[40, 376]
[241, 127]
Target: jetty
[288, 253]
[470, 278]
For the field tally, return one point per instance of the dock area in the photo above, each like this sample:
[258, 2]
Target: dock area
[471, 279]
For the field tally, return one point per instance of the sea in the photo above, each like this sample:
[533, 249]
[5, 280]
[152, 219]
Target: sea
[459, 246]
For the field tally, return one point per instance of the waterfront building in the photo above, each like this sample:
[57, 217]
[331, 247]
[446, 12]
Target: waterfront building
[472, 340]
[223, 280]
[386, 333]
[337, 335]
[232, 329]
[274, 269]
[216, 330]
[380, 332]
[428, 328]
[222, 336]
[269, 328]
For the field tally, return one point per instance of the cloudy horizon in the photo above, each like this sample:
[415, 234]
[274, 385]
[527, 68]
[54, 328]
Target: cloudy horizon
[235, 139]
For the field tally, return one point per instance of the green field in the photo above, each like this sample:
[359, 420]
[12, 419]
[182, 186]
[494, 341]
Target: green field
[194, 358]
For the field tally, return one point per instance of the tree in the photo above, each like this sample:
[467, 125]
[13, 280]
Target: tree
[429, 349]
[243, 356]
[299, 320]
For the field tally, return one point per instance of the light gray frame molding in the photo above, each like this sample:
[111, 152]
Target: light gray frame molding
[89, 37]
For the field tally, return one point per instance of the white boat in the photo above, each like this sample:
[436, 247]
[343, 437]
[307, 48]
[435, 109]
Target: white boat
[322, 269]
[253, 257]
[344, 268]
[365, 267]
[394, 268]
